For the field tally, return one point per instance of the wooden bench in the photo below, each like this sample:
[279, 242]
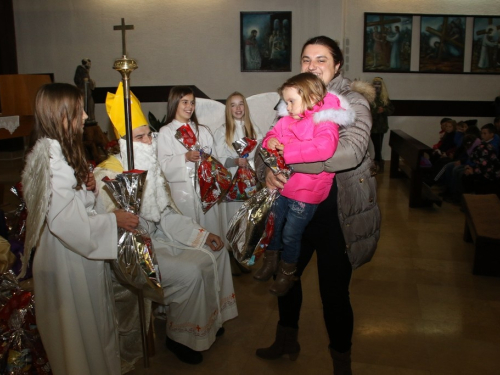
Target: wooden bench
[482, 226]
[411, 150]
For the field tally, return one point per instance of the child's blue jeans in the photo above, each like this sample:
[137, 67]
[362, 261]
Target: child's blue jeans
[290, 221]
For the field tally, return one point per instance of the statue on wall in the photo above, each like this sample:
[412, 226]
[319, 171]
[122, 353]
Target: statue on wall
[86, 85]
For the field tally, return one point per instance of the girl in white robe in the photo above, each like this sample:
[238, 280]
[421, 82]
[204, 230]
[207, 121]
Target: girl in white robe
[237, 126]
[74, 305]
[178, 164]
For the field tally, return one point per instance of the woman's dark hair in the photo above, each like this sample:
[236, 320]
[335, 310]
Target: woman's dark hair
[329, 43]
[174, 97]
[58, 116]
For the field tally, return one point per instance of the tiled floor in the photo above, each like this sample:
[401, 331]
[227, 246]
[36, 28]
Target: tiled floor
[418, 308]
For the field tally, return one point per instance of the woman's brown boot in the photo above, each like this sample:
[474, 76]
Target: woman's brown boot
[285, 278]
[285, 343]
[341, 362]
[269, 265]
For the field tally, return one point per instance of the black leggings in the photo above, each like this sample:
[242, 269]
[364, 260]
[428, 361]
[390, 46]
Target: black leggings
[378, 141]
[324, 235]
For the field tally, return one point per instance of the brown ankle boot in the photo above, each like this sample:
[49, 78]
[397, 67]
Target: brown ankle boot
[269, 265]
[284, 279]
[285, 343]
[341, 362]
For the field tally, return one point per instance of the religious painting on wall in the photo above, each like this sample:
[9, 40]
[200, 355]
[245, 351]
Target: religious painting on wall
[266, 41]
[387, 42]
[486, 47]
[442, 41]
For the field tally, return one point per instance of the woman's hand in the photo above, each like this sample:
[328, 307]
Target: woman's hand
[273, 181]
[214, 242]
[90, 183]
[272, 143]
[242, 162]
[193, 156]
[126, 220]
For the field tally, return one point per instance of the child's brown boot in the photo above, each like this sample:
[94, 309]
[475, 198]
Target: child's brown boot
[269, 265]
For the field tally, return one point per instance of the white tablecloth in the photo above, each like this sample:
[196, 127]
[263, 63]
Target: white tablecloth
[11, 123]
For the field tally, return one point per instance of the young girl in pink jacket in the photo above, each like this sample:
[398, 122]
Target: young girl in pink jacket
[308, 132]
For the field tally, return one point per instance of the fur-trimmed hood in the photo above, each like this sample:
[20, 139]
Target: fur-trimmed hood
[334, 107]
[364, 88]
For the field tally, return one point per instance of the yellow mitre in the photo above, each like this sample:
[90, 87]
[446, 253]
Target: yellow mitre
[116, 111]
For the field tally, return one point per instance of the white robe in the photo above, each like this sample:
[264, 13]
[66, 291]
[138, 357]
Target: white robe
[197, 283]
[180, 174]
[74, 308]
[228, 209]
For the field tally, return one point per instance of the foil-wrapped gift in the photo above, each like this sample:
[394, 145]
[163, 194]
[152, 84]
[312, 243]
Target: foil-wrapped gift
[252, 227]
[245, 184]
[136, 264]
[21, 349]
[214, 180]
[185, 135]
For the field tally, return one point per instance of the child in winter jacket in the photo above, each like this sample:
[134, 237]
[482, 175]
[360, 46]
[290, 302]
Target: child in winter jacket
[308, 132]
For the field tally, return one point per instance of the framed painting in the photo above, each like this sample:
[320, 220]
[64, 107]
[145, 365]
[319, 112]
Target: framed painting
[387, 42]
[265, 41]
[485, 45]
[442, 44]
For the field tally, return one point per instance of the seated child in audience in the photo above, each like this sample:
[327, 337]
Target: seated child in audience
[442, 132]
[482, 176]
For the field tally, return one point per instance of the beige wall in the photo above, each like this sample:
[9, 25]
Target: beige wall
[197, 42]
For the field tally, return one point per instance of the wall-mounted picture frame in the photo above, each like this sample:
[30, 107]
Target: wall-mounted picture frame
[387, 42]
[485, 46]
[442, 44]
[266, 41]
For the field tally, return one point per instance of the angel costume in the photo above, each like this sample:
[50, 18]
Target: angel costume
[197, 283]
[72, 285]
[227, 154]
[180, 174]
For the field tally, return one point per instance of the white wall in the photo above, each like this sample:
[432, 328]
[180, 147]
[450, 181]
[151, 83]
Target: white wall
[197, 42]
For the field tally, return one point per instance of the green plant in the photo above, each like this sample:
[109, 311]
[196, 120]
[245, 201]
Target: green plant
[156, 124]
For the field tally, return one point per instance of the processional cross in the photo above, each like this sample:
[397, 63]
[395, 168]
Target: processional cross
[123, 29]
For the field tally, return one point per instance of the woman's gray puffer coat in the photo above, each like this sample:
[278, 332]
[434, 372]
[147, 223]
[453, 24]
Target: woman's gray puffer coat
[358, 211]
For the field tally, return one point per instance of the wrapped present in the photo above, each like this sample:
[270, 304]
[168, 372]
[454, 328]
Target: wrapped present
[252, 227]
[245, 184]
[248, 225]
[185, 135]
[136, 264]
[214, 181]
[21, 349]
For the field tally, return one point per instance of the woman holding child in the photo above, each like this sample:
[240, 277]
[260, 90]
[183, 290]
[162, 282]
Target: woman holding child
[345, 227]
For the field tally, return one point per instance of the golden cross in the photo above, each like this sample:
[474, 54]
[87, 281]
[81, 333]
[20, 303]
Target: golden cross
[123, 27]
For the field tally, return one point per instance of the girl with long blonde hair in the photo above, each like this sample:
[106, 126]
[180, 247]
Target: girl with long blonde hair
[238, 125]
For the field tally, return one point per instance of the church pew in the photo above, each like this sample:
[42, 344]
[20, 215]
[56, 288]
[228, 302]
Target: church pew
[482, 226]
[411, 150]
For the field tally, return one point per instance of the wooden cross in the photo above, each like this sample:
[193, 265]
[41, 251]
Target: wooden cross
[490, 23]
[123, 27]
[443, 38]
[382, 23]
